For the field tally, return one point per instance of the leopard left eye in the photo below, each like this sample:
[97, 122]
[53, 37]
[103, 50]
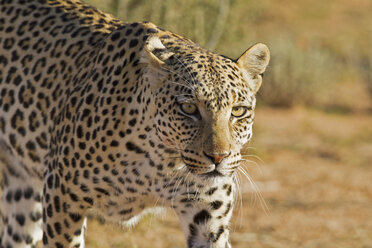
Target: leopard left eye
[240, 112]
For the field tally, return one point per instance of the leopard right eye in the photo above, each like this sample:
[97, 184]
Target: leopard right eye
[189, 108]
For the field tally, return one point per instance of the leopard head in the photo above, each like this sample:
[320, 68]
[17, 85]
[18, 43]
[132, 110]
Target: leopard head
[204, 102]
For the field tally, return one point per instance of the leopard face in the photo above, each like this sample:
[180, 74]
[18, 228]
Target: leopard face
[205, 105]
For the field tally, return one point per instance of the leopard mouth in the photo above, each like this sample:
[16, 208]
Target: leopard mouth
[212, 174]
[207, 174]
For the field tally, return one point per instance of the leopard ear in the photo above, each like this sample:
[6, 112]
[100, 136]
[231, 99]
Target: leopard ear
[156, 59]
[155, 53]
[253, 63]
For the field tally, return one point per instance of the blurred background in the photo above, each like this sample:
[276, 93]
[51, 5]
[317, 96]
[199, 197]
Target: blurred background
[311, 153]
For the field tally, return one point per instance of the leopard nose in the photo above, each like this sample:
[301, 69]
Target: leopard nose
[217, 157]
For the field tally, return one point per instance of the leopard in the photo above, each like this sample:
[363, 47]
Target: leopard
[118, 120]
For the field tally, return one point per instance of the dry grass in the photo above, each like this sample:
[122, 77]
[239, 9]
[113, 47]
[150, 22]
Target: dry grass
[317, 47]
[315, 179]
[297, 76]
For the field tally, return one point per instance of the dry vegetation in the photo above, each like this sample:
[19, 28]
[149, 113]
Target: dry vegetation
[321, 50]
[316, 149]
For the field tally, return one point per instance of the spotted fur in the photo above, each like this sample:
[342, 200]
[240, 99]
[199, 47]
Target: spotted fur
[95, 117]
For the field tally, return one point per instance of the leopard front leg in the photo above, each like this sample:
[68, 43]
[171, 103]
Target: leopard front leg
[20, 208]
[205, 213]
[64, 220]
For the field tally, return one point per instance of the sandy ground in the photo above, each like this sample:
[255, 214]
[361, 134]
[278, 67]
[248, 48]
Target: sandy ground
[314, 174]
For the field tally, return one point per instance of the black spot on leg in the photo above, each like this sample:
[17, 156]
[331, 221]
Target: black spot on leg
[211, 191]
[77, 232]
[8, 196]
[216, 204]
[49, 210]
[202, 217]
[50, 231]
[228, 208]
[215, 237]
[10, 230]
[57, 204]
[59, 245]
[45, 239]
[58, 227]
[193, 230]
[35, 216]
[17, 195]
[228, 189]
[50, 181]
[67, 237]
[17, 238]
[20, 218]
[28, 193]
[28, 239]
[190, 241]
[75, 217]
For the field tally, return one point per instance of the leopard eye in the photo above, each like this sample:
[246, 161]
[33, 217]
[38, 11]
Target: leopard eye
[239, 111]
[188, 108]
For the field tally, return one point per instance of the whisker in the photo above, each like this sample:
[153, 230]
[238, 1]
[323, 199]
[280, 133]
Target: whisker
[250, 147]
[256, 190]
[251, 162]
[186, 69]
[253, 156]
[184, 95]
[179, 181]
[239, 199]
[189, 86]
